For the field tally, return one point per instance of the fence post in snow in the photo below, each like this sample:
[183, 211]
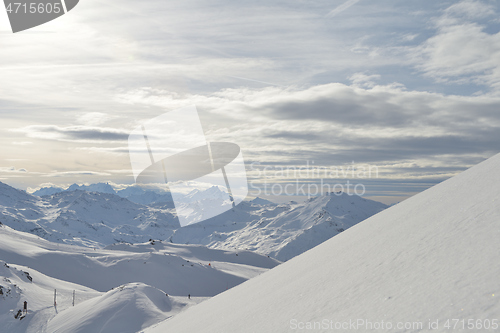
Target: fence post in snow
[55, 296]
[73, 298]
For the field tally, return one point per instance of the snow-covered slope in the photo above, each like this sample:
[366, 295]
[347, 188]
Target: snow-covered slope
[302, 227]
[126, 308]
[434, 257]
[261, 202]
[13, 198]
[19, 284]
[176, 269]
[145, 197]
[281, 231]
[146, 272]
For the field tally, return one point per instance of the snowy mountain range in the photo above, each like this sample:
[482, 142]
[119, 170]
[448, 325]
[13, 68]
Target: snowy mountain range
[98, 219]
[134, 193]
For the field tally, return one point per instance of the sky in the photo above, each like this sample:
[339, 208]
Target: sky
[409, 90]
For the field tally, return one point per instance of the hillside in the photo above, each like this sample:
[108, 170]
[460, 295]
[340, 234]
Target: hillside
[176, 269]
[19, 284]
[434, 257]
[125, 309]
[112, 285]
[302, 227]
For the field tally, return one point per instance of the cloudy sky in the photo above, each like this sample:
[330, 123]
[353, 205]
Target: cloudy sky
[410, 87]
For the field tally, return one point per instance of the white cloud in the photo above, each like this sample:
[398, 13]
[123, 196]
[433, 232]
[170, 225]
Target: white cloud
[12, 170]
[363, 80]
[106, 150]
[275, 123]
[94, 118]
[471, 9]
[21, 143]
[342, 7]
[74, 133]
[461, 51]
[76, 173]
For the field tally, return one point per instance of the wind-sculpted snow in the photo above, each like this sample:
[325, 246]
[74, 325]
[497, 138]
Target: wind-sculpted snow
[125, 309]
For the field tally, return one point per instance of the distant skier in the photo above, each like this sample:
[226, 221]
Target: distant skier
[189, 296]
[25, 307]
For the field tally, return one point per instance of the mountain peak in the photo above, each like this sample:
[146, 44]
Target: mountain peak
[260, 201]
[213, 192]
[99, 187]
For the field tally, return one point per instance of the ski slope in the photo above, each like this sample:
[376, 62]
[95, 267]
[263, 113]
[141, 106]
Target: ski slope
[20, 283]
[125, 309]
[122, 288]
[176, 269]
[430, 259]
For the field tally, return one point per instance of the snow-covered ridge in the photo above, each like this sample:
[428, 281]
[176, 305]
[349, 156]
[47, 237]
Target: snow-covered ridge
[133, 193]
[127, 308]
